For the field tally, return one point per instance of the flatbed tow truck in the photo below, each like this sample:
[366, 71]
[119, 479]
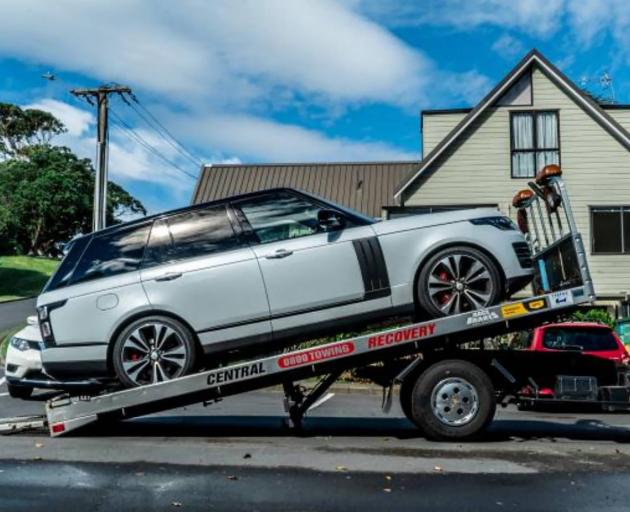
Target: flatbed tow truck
[448, 389]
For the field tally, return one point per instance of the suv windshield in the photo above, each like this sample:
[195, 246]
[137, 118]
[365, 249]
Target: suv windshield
[587, 339]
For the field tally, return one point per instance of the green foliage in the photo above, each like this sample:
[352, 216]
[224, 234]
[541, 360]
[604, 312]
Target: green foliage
[601, 316]
[47, 197]
[21, 129]
[24, 276]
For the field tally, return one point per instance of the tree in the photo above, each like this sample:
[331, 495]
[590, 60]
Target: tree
[21, 129]
[47, 198]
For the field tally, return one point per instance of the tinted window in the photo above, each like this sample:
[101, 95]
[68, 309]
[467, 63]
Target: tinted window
[190, 234]
[112, 253]
[62, 276]
[280, 216]
[606, 230]
[590, 340]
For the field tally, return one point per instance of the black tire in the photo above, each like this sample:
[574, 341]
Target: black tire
[422, 282]
[21, 392]
[188, 362]
[423, 412]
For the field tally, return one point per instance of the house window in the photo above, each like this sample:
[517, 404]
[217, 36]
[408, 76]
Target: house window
[610, 230]
[534, 140]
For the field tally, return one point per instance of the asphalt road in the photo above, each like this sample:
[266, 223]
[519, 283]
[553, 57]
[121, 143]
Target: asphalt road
[238, 455]
[14, 313]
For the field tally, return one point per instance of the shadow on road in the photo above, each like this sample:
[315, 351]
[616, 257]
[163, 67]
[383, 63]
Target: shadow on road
[401, 428]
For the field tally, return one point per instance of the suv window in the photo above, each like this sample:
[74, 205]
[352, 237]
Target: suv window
[112, 253]
[589, 340]
[190, 234]
[280, 216]
[63, 274]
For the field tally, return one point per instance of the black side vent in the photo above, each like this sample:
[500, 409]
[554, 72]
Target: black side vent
[373, 268]
[523, 253]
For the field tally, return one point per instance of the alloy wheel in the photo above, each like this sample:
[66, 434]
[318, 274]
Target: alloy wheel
[460, 282]
[153, 352]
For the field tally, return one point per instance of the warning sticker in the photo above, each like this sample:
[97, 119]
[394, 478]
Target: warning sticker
[522, 308]
[561, 298]
[315, 355]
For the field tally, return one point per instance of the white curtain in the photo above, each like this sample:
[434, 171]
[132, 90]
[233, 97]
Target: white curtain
[547, 137]
[522, 131]
[547, 130]
[523, 138]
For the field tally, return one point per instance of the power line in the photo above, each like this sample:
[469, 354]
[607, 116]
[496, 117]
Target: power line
[156, 125]
[120, 123]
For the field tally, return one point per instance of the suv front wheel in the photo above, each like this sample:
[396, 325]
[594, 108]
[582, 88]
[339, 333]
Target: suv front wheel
[153, 349]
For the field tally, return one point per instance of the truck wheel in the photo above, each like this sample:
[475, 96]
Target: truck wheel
[153, 349]
[404, 394]
[456, 280]
[21, 392]
[452, 400]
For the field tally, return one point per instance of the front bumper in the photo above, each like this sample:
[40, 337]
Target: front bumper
[20, 363]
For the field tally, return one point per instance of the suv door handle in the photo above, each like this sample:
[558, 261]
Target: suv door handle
[169, 276]
[280, 253]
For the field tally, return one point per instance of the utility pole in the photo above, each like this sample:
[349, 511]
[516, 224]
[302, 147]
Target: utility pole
[99, 97]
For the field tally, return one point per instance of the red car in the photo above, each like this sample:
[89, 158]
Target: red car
[589, 338]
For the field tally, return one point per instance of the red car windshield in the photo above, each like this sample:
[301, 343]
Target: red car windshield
[585, 339]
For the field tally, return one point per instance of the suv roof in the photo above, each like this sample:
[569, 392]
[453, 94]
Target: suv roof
[150, 218]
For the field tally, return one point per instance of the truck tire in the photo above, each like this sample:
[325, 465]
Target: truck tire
[452, 400]
[21, 392]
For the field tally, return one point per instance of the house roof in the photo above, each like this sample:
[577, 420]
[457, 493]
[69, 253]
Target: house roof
[533, 57]
[362, 186]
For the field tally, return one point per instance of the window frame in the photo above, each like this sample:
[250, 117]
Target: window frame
[622, 210]
[536, 149]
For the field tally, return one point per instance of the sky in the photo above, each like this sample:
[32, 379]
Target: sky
[285, 80]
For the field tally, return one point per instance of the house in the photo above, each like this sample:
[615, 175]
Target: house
[480, 157]
[535, 116]
[365, 187]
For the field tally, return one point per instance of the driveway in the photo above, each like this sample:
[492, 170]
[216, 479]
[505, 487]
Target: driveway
[14, 313]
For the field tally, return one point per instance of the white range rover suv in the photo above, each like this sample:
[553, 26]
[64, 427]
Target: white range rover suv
[155, 298]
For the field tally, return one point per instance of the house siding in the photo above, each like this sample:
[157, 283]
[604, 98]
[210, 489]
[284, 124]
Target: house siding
[435, 127]
[596, 169]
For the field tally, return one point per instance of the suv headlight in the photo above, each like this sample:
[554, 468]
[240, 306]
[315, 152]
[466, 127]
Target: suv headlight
[502, 223]
[20, 344]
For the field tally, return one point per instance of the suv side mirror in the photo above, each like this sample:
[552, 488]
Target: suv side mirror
[330, 220]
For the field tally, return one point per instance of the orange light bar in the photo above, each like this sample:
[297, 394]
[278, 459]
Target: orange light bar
[548, 171]
[522, 197]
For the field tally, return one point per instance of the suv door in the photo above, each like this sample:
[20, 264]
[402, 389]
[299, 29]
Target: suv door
[312, 275]
[199, 269]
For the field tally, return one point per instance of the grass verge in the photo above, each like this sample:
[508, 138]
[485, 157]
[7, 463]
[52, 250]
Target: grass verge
[24, 276]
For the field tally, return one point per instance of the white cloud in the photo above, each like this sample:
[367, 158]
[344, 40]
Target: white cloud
[227, 53]
[538, 17]
[265, 140]
[76, 120]
[508, 47]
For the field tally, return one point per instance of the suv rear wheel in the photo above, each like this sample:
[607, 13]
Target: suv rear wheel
[153, 349]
